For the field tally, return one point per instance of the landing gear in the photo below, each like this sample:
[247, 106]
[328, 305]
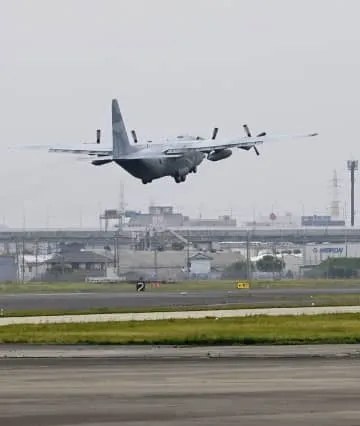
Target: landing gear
[194, 170]
[179, 179]
[144, 181]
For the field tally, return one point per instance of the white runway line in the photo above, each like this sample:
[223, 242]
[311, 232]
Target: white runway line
[155, 316]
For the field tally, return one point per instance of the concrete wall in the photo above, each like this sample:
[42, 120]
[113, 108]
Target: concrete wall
[172, 259]
[200, 266]
[293, 264]
[168, 264]
[8, 268]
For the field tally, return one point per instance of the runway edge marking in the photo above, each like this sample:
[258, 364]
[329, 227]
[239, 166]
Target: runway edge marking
[157, 316]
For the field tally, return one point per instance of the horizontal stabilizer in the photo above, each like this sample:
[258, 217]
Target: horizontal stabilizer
[101, 162]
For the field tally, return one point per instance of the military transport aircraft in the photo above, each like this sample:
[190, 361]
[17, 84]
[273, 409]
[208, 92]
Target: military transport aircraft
[175, 157]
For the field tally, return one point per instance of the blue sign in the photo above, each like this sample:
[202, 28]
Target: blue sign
[329, 250]
[320, 221]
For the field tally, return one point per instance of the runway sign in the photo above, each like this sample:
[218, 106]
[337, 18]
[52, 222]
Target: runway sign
[242, 284]
[140, 286]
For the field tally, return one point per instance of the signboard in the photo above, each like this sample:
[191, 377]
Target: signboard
[242, 284]
[328, 250]
[140, 286]
[320, 221]
[111, 214]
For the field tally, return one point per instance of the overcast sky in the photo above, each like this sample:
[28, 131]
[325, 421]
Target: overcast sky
[177, 66]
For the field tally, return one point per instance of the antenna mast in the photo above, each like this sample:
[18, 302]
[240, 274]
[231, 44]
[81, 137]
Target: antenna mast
[335, 203]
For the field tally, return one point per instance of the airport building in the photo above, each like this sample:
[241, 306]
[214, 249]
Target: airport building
[166, 243]
[159, 217]
[314, 254]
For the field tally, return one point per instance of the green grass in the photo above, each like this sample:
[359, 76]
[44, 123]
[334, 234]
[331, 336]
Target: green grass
[318, 300]
[339, 328]
[197, 285]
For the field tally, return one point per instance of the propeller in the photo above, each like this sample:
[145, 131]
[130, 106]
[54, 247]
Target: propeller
[98, 135]
[215, 131]
[133, 134]
[213, 136]
[248, 134]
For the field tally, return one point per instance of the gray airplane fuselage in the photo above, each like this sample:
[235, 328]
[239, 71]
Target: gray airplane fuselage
[154, 168]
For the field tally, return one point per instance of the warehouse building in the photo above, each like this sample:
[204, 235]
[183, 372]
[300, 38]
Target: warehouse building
[314, 254]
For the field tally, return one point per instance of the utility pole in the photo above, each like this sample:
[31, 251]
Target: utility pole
[248, 265]
[117, 253]
[352, 165]
[23, 260]
[36, 258]
[156, 263]
[188, 254]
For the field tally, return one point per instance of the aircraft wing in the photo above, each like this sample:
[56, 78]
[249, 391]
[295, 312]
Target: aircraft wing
[89, 149]
[214, 145]
[86, 148]
[175, 150]
[178, 149]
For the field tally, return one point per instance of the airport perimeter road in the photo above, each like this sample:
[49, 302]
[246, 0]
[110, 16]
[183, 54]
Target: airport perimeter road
[83, 301]
[212, 392]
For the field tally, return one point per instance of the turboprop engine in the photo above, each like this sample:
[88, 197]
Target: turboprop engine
[219, 155]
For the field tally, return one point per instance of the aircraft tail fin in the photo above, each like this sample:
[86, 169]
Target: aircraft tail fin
[121, 144]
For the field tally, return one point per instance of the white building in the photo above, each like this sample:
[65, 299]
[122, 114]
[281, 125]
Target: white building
[31, 266]
[200, 264]
[314, 254]
[293, 265]
[293, 262]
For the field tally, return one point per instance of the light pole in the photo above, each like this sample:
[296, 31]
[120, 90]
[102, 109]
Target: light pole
[352, 165]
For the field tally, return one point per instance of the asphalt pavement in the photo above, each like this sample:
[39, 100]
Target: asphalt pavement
[179, 392]
[152, 299]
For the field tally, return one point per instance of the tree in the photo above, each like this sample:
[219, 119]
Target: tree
[270, 263]
[340, 267]
[237, 270]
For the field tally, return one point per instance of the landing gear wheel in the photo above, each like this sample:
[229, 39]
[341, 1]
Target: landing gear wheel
[144, 181]
[179, 179]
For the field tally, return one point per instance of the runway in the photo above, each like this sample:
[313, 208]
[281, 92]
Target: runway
[211, 392]
[84, 301]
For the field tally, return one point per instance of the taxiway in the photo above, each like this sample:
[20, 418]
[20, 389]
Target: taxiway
[149, 299]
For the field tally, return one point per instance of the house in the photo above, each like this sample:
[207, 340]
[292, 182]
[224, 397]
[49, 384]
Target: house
[200, 264]
[82, 260]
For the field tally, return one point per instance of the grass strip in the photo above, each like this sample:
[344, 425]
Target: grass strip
[258, 330]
